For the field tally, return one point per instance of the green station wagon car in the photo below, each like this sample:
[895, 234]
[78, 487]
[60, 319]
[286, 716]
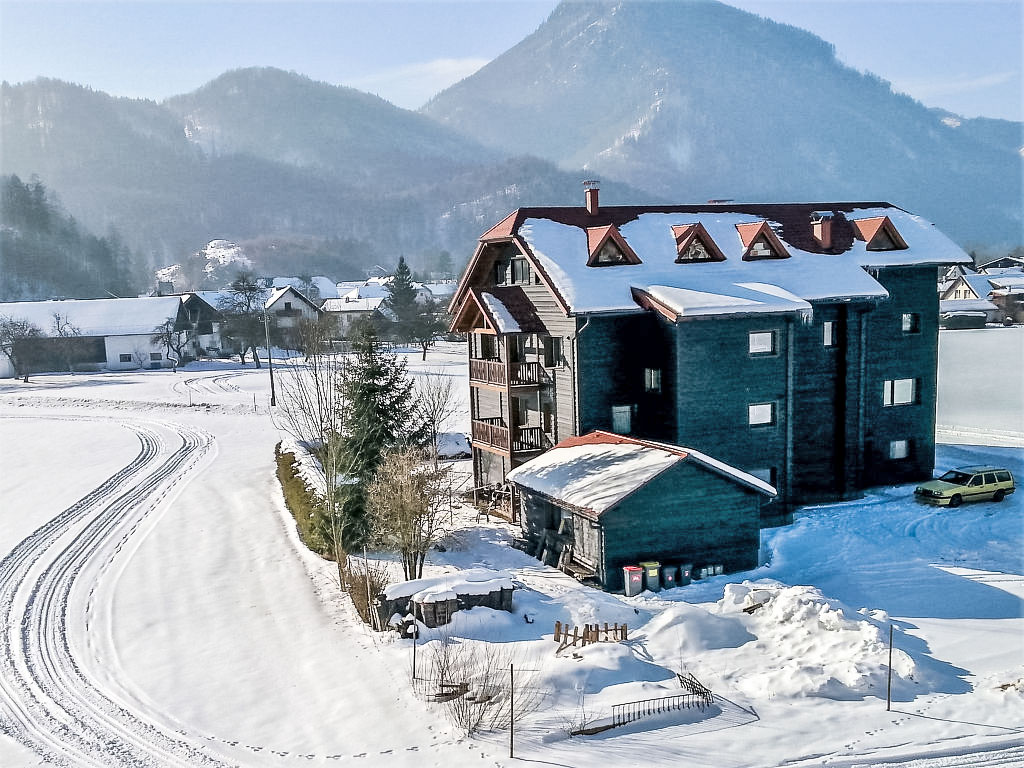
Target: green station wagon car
[967, 484]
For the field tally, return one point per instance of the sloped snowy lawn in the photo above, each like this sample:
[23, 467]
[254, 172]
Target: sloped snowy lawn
[211, 621]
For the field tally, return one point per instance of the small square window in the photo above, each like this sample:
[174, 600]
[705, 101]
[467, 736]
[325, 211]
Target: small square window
[761, 414]
[125, 358]
[911, 322]
[767, 474]
[899, 392]
[761, 342]
[899, 449]
[828, 333]
[652, 379]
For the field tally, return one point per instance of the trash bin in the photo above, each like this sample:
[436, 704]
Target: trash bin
[633, 575]
[719, 569]
[652, 572]
[668, 576]
[685, 574]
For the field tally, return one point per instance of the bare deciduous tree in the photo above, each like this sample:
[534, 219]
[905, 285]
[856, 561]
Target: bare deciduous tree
[405, 505]
[311, 409]
[437, 403]
[16, 336]
[64, 333]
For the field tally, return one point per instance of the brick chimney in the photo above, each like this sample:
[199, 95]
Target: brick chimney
[590, 190]
[821, 227]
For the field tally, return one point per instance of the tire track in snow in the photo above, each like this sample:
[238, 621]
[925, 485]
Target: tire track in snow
[46, 700]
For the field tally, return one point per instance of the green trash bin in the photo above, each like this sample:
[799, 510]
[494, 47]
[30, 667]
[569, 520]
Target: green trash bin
[633, 576]
[652, 575]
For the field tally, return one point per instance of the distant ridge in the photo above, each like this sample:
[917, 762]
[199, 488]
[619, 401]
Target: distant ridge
[695, 99]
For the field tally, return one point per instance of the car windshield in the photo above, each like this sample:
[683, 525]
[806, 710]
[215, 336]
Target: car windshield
[955, 477]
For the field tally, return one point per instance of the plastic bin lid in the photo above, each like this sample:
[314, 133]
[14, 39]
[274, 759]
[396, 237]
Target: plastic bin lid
[650, 564]
[632, 568]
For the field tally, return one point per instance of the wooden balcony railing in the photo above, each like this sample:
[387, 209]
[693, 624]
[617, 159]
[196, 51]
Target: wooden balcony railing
[528, 439]
[494, 433]
[487, 371]
[493, 372]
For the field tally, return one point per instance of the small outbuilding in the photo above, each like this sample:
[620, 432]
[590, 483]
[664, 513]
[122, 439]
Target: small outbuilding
[597, 503]
[433, 600]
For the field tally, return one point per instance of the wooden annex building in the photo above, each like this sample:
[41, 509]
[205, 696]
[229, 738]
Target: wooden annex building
[603, 501]
[796, 342]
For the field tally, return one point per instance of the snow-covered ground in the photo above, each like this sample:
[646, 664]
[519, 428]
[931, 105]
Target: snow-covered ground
[158, 608]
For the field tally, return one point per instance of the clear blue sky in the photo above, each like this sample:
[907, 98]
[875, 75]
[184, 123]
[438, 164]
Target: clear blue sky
[964, 56]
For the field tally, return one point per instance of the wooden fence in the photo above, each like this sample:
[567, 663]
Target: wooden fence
[590, 633]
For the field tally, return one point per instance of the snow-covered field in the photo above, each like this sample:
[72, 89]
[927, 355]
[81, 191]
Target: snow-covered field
[159, 610]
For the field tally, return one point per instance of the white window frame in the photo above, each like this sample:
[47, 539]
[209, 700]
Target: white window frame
[911, 322]
[652, 380]
[761, 414]
[899, 392]
[828, 333]
[899, 449]
[761, 342]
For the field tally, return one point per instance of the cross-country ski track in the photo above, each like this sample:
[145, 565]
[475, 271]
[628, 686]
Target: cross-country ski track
[54, 577]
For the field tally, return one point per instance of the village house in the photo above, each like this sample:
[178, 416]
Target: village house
[794, 342]
[110, 334]
[993, 294]
[594, 504]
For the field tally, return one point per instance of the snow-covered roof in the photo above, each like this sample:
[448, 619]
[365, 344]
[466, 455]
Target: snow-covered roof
[280, 293]
[472, 581]
[443, 290]
[98, 317]
[328, 288]
[800, 266]
[503, 319]
[595, 472]
[713, 287]
[952, 306]
[352, 305]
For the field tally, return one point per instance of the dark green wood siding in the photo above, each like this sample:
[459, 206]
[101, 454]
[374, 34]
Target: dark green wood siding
[896, 354]
[687, 514]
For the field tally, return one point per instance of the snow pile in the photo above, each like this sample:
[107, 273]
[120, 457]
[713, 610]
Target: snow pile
[220, 253]
[808, 645]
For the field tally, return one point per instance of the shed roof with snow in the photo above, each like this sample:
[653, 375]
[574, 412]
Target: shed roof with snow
[594, 472]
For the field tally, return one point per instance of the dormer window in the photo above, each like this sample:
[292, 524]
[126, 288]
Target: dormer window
[879, 233]
[694, 244]
[760, 242]
[608, 248]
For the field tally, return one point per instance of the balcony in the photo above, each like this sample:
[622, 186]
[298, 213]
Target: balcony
[494, 434]
[493, 372]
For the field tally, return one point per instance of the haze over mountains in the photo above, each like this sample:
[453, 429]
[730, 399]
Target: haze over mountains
[664, 102]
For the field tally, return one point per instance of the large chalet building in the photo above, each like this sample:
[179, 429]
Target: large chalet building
[796, 342]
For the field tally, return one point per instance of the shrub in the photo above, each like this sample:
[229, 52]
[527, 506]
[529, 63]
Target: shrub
[302, 503]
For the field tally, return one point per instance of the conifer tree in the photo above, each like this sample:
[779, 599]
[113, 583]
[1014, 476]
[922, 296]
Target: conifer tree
[380, 415]
[401, 301]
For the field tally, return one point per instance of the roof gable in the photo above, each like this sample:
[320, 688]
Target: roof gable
[879, 233]
[694, 244]
[760, 242]
[608, 247]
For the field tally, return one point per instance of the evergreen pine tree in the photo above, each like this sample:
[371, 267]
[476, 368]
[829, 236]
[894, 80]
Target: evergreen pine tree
[380, 415]
[401, 301]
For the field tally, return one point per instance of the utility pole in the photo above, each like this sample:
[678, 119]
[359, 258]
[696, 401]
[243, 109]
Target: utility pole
[270, 357]
[511, 710]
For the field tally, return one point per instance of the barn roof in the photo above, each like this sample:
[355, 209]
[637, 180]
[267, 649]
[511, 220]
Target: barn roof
[98, 317]
[594, 472]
